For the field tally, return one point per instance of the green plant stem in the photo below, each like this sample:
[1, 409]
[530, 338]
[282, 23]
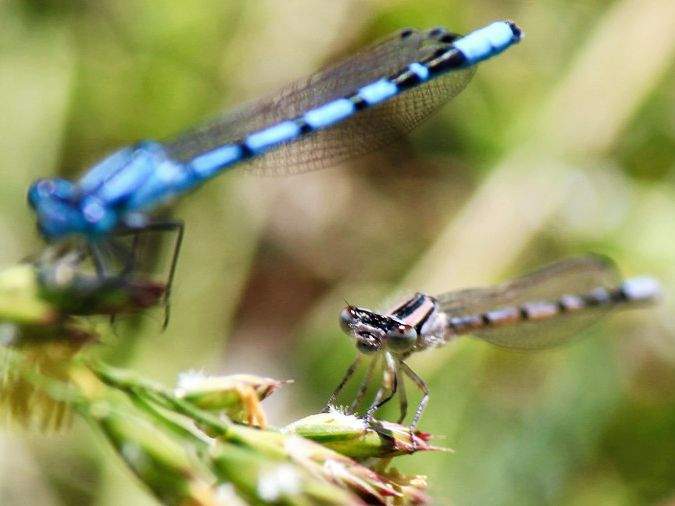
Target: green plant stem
[139, 387]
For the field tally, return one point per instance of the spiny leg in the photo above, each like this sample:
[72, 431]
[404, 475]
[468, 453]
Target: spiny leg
[422, 386]
[389, 384]
[104, 253]
[124, 258]
[123, 255]
[98, 259]
[101, 253]
[363, 387]
[179, 228]
[402, 399]
[380, 399]
[343, 382]
[163, 226]
[129, 266]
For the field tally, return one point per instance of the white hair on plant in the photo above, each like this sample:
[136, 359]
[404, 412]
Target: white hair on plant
[189, 380]
[132, 453]
[279, 482]
[334, 418]
[295, 446]
[335, 469]
[226, 495]
[348, 420]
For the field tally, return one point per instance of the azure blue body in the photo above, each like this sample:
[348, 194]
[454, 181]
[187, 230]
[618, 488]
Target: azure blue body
[121, 191]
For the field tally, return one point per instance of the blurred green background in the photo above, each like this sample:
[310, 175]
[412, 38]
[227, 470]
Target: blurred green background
[565, 144]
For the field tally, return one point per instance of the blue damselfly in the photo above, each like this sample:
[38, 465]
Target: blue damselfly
[346, 110]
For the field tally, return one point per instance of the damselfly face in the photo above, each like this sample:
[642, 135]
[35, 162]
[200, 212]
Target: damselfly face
[374, 332]
[62, 213]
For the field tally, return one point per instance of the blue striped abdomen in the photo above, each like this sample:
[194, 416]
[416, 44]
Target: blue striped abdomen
[353, 109]
[487, 42]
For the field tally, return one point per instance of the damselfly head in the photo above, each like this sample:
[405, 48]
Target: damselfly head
[374, 331]
[62, 213]
[50, 189]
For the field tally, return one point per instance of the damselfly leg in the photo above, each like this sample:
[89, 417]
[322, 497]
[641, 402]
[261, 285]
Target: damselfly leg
[343, 382]
[388, 387]
[420, 383]
[112, 258]
[98, 258]
[402, 401]
[365, 383]
[174, 226]
[394, 371]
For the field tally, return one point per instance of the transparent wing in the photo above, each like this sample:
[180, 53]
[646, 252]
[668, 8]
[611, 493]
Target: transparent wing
[574, 276]
[366, 131]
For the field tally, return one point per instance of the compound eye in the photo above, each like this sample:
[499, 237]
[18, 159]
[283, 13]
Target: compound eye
[32, 197]
[401, 338]
[43, 189]
[347, 320]
[37, 191]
